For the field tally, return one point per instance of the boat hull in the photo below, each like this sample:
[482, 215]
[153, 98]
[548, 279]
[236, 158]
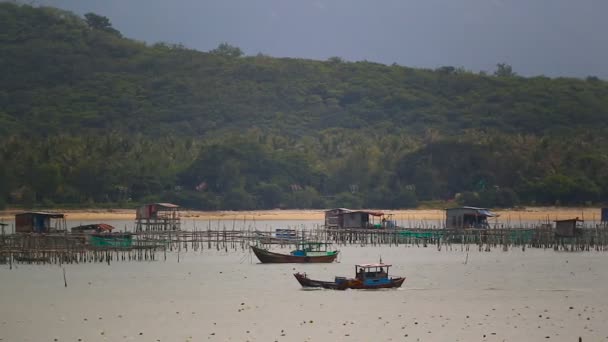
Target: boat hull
[349, 283]
[268, 257]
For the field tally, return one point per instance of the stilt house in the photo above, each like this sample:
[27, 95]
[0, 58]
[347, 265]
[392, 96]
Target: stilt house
[39, 222]
[567, 228]
[468, 217]
[157, 217]
[356, 219]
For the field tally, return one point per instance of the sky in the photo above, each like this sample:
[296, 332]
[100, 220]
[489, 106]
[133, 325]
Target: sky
[536, 37]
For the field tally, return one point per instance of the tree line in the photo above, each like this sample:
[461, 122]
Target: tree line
[90, 118]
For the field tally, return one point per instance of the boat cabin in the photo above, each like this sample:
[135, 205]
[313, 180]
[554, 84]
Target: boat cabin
[468, 217]
[311, 248]
[372, 271]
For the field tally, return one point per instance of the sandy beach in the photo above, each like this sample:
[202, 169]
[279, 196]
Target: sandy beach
[510, 215]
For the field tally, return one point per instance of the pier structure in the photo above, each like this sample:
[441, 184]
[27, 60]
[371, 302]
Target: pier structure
[64, 247]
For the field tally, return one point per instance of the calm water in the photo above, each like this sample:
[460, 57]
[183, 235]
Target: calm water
[213, 296]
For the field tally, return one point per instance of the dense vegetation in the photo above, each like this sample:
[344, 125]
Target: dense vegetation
[89, 118]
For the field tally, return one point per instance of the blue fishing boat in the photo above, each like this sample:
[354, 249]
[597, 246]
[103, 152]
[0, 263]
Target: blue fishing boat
[305, 252]
[367, 276]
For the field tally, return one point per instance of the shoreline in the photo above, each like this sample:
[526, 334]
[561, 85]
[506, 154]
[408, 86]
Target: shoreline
[510, 215]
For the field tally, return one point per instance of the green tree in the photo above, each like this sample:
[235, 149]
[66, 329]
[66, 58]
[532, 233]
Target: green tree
[238, 199]
[269, 196]
[98, 22]
[504, 70]
[227, 50]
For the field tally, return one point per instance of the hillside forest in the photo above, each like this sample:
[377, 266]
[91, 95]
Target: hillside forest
[89, 118]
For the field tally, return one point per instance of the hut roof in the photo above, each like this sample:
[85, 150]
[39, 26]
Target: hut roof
[570, 220]
[373, 213]
[42, 213]
[350, 211]
[346, 210]
[167, 205]
[479, 211]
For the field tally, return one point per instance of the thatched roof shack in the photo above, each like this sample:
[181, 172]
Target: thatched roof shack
[468, 217]
[39, 222]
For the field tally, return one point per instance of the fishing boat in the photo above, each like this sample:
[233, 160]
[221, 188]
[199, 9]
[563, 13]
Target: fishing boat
[367, 276]
[305, 252]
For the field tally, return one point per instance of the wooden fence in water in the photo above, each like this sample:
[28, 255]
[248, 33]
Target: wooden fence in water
[60, 248]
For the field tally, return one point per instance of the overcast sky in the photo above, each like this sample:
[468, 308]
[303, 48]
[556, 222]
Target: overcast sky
[537, 37]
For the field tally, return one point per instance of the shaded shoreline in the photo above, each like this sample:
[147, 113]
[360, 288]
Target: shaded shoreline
[509, 215]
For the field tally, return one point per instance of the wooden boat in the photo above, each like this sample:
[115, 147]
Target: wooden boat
[368, 277]
[305, 252]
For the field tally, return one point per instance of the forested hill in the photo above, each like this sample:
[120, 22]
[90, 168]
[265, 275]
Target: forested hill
[88, 117]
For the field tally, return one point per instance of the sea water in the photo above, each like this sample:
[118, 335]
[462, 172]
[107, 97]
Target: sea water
[449, 295]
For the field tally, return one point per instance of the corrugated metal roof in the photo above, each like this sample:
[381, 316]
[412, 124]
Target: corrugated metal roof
[167, 205]
[341, 209]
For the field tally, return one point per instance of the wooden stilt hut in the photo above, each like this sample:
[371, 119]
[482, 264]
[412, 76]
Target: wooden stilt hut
[157, 217]
[39, 222]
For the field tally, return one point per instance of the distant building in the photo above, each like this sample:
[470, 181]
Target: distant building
[468, 217]
[157, 217]
[567, 228]
[356, 219]
[604, 215]
[39, 222]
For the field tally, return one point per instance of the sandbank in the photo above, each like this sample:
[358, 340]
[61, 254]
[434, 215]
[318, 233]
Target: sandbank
[510, 215]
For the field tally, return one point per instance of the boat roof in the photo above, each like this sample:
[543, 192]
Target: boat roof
[101, 226]
[373, 265]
